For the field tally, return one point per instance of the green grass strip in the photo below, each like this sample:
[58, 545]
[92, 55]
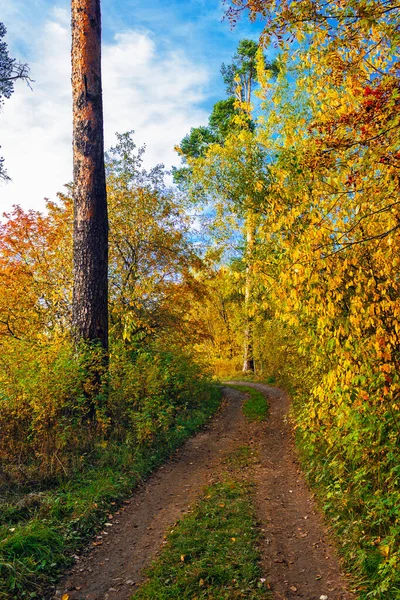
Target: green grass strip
[211, 553]
[255, 408]
[37, 542]
[251, 378]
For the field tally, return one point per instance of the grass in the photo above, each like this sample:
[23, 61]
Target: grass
[211, 553]
[40, 533]
[255, 407]
[241, 457]
[251, 378]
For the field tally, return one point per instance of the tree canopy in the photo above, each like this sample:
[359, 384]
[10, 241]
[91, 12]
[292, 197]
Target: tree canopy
[10, 71]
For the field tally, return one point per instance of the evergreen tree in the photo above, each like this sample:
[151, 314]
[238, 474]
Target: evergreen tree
[10, 72]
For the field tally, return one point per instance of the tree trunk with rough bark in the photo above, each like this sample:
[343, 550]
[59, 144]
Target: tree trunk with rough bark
[90, 294]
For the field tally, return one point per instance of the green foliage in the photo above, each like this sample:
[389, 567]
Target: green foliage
[255, 407]
[212, 552]
[148, 394]
[353, 465]
[197, 141]
[43, 404]
[10, 71]
[42, 407]
[226, 117]
[42, 529]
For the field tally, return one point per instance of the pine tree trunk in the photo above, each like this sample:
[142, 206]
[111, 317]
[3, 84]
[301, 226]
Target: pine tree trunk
[90, 294]
[248, 358]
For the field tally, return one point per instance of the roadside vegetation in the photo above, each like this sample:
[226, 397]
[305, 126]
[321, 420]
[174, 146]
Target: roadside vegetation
[42, 527]
[72, 445]
[255, 406]
[293, 278]
[301, 161]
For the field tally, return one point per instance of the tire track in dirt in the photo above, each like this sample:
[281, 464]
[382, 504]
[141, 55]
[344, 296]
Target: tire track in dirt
[298, 558]
[112, 570]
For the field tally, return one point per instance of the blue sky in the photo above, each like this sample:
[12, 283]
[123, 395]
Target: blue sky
[161, 63]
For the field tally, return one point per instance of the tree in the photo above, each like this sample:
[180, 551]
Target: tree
[152, 264]
[90, 295]
[227, 161]
[10, 72]
[332, 279]
[241, 75]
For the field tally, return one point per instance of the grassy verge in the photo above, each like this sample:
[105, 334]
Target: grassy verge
[212, 553]
[364, 521]
[255, 408]
[40, 533]
[251, 378]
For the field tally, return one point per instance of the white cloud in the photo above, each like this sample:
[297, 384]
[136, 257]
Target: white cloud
[156, 95]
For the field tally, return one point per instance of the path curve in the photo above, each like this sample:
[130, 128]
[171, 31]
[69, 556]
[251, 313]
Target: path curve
[298, 560]
[113, 569]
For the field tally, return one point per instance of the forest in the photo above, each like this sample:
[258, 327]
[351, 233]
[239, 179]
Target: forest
[268, 259]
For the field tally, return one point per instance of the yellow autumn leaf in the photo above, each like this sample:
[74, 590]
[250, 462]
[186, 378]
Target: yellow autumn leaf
[385, 551]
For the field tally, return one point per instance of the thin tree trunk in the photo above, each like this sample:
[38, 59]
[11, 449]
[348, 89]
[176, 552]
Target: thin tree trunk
[248, 358]
[90, 294]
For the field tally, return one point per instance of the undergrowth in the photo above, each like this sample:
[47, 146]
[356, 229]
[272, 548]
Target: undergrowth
[357, 487]
[40, 531]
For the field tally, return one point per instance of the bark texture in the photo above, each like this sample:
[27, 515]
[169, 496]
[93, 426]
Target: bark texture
[90, 295]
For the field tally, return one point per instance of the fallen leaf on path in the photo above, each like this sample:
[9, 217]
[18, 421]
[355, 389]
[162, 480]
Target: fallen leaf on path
[65, 597]
[293, 588]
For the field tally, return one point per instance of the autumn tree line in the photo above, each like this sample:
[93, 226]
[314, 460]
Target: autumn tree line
[305, 164]
[96, 342]
[274, 256]
[315, 174]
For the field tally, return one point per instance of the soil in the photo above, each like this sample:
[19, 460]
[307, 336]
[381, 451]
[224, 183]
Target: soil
[298, 558]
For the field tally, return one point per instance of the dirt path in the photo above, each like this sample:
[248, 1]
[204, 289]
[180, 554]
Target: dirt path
[297, 558]
[113, 569]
